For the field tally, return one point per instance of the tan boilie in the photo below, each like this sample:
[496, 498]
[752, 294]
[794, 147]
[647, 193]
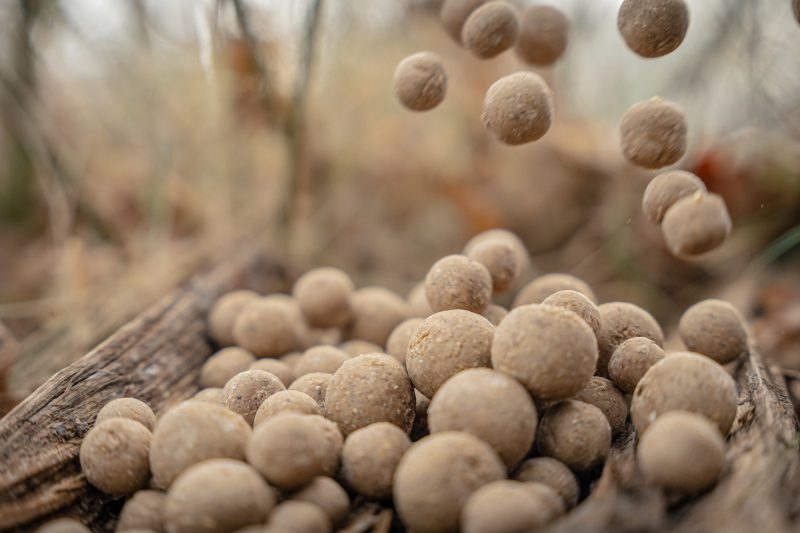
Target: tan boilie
[264, 328]
[211, 394]
[376, 312]
[501, 259]
[438, 474]
[223, 365]
[245, 392]
[602, 393]
[114, 456]
[397, 344]
[714, 328]
[550, 350]
[543, 35]
[217, 496]
[326, 494]
[654, 133]
[685, 381]
[357, 347]
[367, 389]
[518, 108]
[224, 313]
[370, 457]
[325, 359]
[323, 295]
[509, 237]
[631, 360]
[552, 473]
[620, 321]
[130, 408]
[420, 81]
[494, 314]
[297, 516]
[491, 29]
[63, 525]
[458, 282]
[280, 369]
[682, 451]
[504, 506]
[653, 28]
[490, 405]
[445, 344]
[286, 400]
[667, 188]
[454, 14]
[579, 304]
[315, 385]
[418, 302]
[575, 433]
[696, 224]
[143, 510]
[544, 286]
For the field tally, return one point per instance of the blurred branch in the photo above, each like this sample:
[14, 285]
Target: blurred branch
[265, 86]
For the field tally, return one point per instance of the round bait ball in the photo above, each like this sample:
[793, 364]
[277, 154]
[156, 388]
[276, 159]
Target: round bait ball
[458, 282]
[290, 449]
[490, 405]
[500, 259]
[518, 108]
[211, 394]
[376, 312]
[445, 344]
[438, 474]
[550, 350]
[264, 328]
[602, 393]
[277, 368]
[63, 525]
[575, 433]
[547, 497]
[298, 517]
[217, 496]
[420, 81]
[323, 295]
[325, 359]
[224, 313]
[397, 345]
[315, 385]
[143, 510]
[326, 494]
[540, 288]
[491, 29]
[191, 432]
[714, 328]
[504, 506]
[631, 360]
[667, 188]
[114, 456]
[654, 133]
[358, 347]
[223, 365]
[620, 321]
[245, 392]
[454, 14]
[552, 473]
[494, 314]
[696, 224]
[370, 457]
[370, 388]
[418, 302]
[685, 381]
[286, 400]
[682, 451]
[579, 304]
[499, 234]
[653, 28]
[543, 35]
[130, 408]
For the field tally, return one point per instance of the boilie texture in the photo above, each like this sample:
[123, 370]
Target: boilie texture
[420, 81]
[323, 295]
[543, 35]
[654, 133]
[494, 314]
[438, 474]
[682, 451]
[667, 188]
[575, 433]
[223, 315]
[357, 347]
[550, 350]
[506, 236]
[714, 328]
[696, 224]
[245, 392]
[458, 282]
[367, 389]
[540, 288]
[579, 304]
[143, 510]
[490, 405]
[491, 29]
[279, 369]
[264, 328]
[685, 381]
[376, 312]
[130, 408]
[114, 456]
[500, 259]
[291, 449]
[552, 473]
[602, 393]
[211, 394]
[631, 360]
[445, 344]
[315, 385]
[397, 344]
[223, 365]
[518, 108]
[191, 432]
[286, 400]
[297, 516]
[370, 457]
[454, 14]
[63, 525]
[620, 321]
[325, 359]
[504, 506]
[653, 28]
[326, 494]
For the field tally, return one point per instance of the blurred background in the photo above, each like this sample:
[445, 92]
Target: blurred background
[141, 141]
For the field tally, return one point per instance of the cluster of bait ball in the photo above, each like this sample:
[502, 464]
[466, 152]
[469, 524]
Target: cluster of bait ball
[518, 108]
[457, 412]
